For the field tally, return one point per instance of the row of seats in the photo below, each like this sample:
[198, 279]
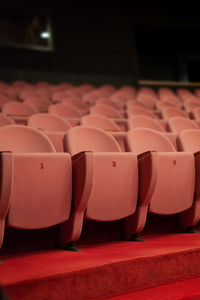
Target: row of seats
[59, 173]
[55, 126]
[75, 107]
[93, 179]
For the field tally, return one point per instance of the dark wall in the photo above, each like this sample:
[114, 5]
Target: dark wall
[108, 43]
[93, 42]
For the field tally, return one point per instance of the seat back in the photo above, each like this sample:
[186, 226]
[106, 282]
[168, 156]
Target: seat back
[173, 100]
[190, 105]
[4, 99]
[18, 108]
[88, 138]
[177, 124]
[196, 113]
[64, 110]
[74, 102]
[100, 121]
[48, 122]
[169, 112]
[145, 122]
[22, 139]
[105, 110]
[148, 100]
[37, 102]
[5, 120]
[189, 140]
[141, 140]
[107, 102]
[163, 103]
[136, 110]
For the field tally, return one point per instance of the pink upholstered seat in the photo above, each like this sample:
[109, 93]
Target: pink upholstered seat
[197, 92]
[163, 92]
[15, 108]
[64, 110]
[4, 99]
[190, 105]
[38, 102]
[48, 122]
[107, 102]
[135, 110]
[134, 103]
[173, 100]
[29, 199]
[164, 103]
[18, 111]
[144, 121]
[106, 111]
[196, 113]
[5, 120]
[76, 103]
[189, 140]
[100, 121]
[169, 112]
[53, 126]
[90, 98]
[177, 124]
[173, 174]
[105, 179]
[13, 92]
[148, 100]
[27, 92]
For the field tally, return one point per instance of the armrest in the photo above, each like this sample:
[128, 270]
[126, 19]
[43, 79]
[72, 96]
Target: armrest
[197, 175]
[82, 179]
[6, 169]
[148, 172]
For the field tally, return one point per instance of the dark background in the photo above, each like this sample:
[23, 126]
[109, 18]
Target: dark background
[117, 43]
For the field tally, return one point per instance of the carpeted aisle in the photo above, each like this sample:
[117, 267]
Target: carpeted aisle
[182, 290]
[101, 270]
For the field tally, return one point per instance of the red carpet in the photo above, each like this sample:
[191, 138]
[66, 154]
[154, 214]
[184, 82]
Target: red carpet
[183, 290]
[103, 270]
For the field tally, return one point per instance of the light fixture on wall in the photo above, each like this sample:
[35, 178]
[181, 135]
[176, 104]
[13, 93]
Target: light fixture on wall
[45, 35]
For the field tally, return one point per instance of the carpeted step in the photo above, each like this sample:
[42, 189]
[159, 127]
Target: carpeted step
[182, 290]
[101, 270]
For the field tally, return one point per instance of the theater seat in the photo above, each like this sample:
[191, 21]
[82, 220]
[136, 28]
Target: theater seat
[190, 105]
[105, 180]
[18, 111]
[144, 121]
[105, 110]
[148, 100]
[53, 126]
[64, 110]
[4, 99]
[169, 112]
[99, 121]
[72, 114]
[76, 103]
[48, 122]
[38, 102]
[136, 110]
[177, 124]
[35, 182]
[196, 113]
[174, 173]
[5, 120]
[107, 102]
[189, 140]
